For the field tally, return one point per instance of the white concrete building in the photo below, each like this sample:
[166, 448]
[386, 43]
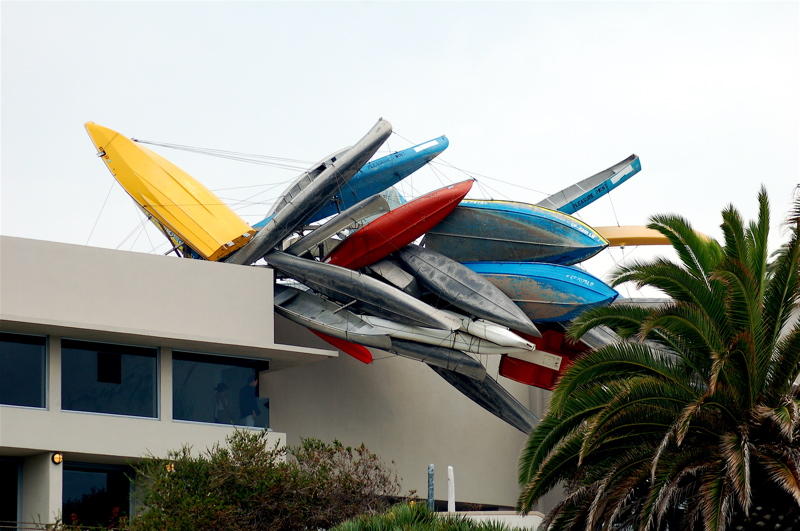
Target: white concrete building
[107, 355]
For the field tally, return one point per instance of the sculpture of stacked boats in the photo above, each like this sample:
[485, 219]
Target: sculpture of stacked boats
[483, 280]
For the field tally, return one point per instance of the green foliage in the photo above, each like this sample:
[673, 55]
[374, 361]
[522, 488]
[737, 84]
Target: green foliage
[693, 422]
[417, 517]
[247, 485]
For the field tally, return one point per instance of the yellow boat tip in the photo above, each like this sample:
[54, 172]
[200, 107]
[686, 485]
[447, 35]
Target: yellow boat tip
[101, 136]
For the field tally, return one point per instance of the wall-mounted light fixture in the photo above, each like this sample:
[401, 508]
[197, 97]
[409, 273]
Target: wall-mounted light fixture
[57, 458]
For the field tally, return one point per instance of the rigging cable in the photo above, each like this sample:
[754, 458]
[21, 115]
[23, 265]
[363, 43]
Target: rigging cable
[108, 194]
[252, 158]
[441, 161]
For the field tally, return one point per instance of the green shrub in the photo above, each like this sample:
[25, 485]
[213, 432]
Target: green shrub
[417, 517]
[247, 485]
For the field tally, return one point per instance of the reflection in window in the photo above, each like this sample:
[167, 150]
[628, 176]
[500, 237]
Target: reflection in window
[105, 378]
[96, 495]
[218, 389]
[22, 364]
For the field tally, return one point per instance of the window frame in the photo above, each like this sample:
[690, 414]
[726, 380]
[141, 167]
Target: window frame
[156, 383]
[45, 372]
[200, 356]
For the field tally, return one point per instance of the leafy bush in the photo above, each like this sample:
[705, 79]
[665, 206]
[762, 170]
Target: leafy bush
[247, 485]
[418, 517]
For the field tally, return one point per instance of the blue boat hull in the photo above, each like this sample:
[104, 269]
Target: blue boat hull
[546, 292]
[581, 194]
[509, 231]
[378, 175]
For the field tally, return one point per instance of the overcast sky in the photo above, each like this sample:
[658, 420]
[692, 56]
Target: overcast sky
[534, 95]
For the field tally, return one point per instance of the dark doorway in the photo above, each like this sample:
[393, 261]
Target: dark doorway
[9, 483]
[96, 495]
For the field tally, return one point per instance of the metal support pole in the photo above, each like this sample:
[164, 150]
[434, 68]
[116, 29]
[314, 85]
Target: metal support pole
[430, 487]
[451, 490]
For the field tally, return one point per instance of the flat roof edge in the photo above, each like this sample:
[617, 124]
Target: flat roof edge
[282, 355]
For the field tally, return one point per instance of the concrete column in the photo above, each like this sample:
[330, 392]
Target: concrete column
[41, 489]
[53, 398]
[165, 384]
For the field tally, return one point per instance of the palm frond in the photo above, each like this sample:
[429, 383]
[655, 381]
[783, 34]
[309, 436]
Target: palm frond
[555, 468]
[783, 472]
[735, 450]
[781, 298]
[697, 254]
[785, 368]
[623, 319]
[615, 361]
[715, 501]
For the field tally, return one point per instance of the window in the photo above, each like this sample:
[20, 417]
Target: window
[22, 370]
[218, 389]
[105, 378]
[95, 495]
[9, 484]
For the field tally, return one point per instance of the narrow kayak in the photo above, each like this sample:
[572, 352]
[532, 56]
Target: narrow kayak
[325, 316]
[492, 397]
[398, 228]
[346, 286]
[456, 340]
[370, 206]
[359, 352]
[307, 199]
[463, 288]
[575, 197]
[380, 174]
[632, 235]
[445, 358]
[373, 178]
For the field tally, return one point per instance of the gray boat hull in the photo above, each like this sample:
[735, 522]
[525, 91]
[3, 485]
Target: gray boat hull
[324, 316]
[390, 271]
[492, 397]
[370, 206]
[346, 285]
[445, 358]
[465, 289]
[312, 196]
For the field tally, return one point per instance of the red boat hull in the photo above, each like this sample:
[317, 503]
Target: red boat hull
[359, 352]
[531, 374]
[398, 228]
[552, 341]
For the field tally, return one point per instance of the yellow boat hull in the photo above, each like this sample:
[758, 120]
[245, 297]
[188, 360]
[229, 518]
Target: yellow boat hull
[631, 235]
[176, 201]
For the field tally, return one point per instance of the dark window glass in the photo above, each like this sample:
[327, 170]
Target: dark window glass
[22, 364]
[96, 495]
[9, 484]
[218, 389]
[108, 378]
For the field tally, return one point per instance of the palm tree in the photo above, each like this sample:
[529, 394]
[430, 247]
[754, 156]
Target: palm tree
[692, 422]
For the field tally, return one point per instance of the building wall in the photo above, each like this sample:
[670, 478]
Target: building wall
[404, 412]
[141, 298]
[41, 489]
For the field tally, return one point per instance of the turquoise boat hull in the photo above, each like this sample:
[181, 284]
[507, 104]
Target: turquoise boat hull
[584, 193]
[509, 231]
[376, 176]
[546, 292]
